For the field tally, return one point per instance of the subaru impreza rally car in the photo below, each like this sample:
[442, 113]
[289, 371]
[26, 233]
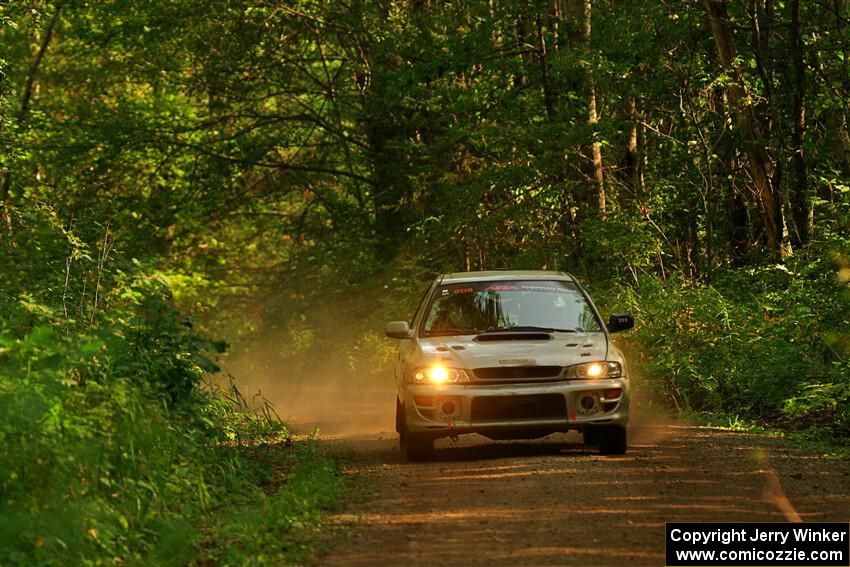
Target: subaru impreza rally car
[509, 355]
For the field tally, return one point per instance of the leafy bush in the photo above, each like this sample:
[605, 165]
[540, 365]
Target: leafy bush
[110, 449]
[755, 343]
[100, 466]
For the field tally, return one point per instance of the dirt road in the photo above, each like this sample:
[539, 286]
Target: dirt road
[556, 502]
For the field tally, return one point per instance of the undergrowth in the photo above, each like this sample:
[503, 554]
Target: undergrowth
[105, 469]
[757, 347]
[113, 448]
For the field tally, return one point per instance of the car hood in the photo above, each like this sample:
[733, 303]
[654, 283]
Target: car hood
[565, 349]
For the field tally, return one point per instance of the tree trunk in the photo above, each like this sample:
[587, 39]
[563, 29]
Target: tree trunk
[632, 164]
[548, 94]
[800, 201]
[840, 119]
[775, 127]
[386, 128]
[842, 142]
[759, 165]
[5, 214]
[840, 9]
[521, 32]
[592, 118]
[737, 225]
[559, 10]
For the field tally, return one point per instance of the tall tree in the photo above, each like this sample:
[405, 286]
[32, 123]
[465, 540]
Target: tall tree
[800, 201]
[758, 161]
[592, 117]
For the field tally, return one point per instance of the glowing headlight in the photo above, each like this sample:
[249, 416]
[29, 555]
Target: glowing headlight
[591, 370]
[439, 375]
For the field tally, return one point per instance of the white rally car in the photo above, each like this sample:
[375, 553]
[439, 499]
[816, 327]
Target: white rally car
[509, 355]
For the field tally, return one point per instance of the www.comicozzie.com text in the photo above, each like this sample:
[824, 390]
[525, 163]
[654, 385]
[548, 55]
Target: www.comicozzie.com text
[726, 536]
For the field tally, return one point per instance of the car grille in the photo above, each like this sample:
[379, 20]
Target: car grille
[540, 406]
[517, 372]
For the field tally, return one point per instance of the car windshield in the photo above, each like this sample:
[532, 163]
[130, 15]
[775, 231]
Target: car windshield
[496, 306]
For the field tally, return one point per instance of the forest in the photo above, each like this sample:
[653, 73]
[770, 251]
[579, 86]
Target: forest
[182, 181]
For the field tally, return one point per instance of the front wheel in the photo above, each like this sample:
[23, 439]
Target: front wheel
[612, 440]
[414, 447]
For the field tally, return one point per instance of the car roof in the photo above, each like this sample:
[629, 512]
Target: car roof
[501, 275]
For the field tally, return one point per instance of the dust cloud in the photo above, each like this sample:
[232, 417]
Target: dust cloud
[316, 391]
[651, 419]
[320, 374]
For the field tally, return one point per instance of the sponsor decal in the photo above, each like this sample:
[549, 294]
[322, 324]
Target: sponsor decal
[544, 288]
[517, 361]
[460, 290]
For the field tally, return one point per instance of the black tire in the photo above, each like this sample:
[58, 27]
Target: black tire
[414, 447]
[612, 440]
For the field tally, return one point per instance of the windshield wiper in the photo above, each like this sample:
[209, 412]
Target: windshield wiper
[521, 328]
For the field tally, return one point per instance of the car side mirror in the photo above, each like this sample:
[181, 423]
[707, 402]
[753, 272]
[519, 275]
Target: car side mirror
[398, 330]
[620, 323]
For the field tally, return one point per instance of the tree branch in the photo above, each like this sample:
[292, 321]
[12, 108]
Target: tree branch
[42, 49]
[5, 190]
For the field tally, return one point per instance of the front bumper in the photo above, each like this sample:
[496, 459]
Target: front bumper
[425, 407]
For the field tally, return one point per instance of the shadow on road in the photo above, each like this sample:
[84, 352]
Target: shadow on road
[555, 501]
[509, 450]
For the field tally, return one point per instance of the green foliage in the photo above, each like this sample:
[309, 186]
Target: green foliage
[753, 344]
[110, 449]
[99, 465]
[290, 177]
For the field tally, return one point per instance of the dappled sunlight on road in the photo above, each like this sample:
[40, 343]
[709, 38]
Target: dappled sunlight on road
[556, 501]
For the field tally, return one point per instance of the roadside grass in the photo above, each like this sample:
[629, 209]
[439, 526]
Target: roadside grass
[649, 391]
[110, 472]
[814, 439]
[760, 349]
[278, 518]
[359, 485]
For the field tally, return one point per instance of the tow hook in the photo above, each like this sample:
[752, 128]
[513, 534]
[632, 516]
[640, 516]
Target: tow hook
[452, 432]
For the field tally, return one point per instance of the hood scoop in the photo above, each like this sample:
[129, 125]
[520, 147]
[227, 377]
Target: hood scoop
[443, 348]
[516, 336]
